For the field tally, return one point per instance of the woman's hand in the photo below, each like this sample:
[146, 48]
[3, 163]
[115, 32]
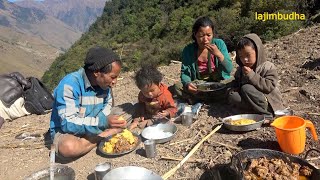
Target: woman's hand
[114, 122]
[192, 88]
[213, 49]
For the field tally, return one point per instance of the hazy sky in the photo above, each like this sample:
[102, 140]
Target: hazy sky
[21, 0]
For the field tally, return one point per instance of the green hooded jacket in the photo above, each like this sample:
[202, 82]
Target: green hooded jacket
[189, 67]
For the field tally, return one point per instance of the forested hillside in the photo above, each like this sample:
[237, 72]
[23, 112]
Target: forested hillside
[155, 31]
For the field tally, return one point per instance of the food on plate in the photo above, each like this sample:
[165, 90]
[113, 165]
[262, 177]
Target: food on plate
[158, 134]
[121, 118]
[154, 102]
[264, 168]
[121, 142]
[241, 122]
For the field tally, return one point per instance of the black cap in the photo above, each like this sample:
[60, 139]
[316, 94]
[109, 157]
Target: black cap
[99, 57]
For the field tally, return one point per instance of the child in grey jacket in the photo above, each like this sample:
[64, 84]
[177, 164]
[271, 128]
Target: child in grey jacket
[256, 79]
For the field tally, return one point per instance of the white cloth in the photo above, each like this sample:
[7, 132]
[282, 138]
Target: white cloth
[16, 110]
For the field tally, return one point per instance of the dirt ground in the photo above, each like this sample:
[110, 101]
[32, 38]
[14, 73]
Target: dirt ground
[297, 58]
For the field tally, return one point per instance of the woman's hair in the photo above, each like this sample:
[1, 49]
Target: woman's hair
[201, 22]
[147, 76]
[245, 42]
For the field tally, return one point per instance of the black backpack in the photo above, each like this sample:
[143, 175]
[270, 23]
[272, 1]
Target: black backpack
[37, 98]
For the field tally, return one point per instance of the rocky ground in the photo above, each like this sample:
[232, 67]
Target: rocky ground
[297, 58]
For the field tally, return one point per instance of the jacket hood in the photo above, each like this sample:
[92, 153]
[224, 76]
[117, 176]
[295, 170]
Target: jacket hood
[260, 54]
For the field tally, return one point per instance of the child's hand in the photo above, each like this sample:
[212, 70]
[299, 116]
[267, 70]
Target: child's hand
[134, 124]
[163, 113]
[246, 70]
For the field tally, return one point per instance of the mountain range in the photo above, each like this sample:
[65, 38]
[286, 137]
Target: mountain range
[79, 14]
[34, 33]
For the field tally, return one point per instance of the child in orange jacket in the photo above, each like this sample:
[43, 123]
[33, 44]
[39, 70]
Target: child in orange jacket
[155, 100]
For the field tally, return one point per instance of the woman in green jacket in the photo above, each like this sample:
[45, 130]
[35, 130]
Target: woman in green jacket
[204, 60]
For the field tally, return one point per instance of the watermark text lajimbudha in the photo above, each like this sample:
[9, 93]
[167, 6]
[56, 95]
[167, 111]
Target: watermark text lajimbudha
[279, 16]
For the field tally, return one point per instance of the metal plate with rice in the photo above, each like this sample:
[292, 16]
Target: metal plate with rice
[160, 133]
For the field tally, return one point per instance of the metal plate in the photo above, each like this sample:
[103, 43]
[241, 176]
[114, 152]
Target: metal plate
[210, 86]
[131, 172]
[256, 117]
[101, 145]
[148, 132]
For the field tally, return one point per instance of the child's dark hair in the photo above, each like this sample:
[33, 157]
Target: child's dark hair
[147, 76]
[245, 42]
[201, 22]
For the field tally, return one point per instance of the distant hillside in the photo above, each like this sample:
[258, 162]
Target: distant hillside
[26, 54]
[79, 14]
[155, 31]
[30, 39]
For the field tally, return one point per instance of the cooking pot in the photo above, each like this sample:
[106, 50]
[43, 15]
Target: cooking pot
[240, 160]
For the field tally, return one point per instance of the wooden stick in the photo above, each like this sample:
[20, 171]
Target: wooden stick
[313, 158]
[226, 145]
[289, 89]
[174, 80]
[179, 159]
[317, 114]
[196, 147]
[176, 62]
[178, 142]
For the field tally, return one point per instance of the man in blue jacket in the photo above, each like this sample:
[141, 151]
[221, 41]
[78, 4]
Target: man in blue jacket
[83, 101]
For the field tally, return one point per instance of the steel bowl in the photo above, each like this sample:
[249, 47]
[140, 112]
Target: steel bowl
[131, 172]
[101, 145]
[256, 117]
[60, 172]
[284, 112]
[210, 86]
[148, 132]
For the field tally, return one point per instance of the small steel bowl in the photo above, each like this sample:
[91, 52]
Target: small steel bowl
[131, 172]
[284, 112]
[148, 132]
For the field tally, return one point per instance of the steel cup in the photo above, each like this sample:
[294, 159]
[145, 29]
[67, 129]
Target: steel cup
[186, 118]
[150, 148]
[101, 170]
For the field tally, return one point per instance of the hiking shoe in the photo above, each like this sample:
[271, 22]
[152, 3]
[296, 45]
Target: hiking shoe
[195, 109]
[180, 107]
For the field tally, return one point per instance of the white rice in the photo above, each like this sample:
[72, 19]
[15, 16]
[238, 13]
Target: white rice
[158, 134]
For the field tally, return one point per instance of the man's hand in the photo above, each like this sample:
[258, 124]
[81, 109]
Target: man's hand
[192, 88]
[246, 70]
[114, 122]
[110, 132]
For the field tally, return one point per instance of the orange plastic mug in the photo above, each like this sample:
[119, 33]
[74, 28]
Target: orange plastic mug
[291, 133]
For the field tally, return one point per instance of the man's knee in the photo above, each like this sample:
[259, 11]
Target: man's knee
[68, 148]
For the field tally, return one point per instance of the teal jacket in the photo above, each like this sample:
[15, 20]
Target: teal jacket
[189, 67]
